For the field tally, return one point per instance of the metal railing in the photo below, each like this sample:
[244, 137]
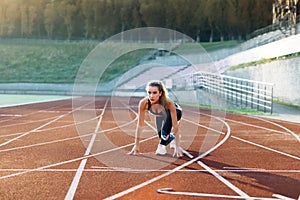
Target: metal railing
[241, 93]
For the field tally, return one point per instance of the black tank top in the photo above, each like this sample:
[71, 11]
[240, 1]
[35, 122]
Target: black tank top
[162, 113]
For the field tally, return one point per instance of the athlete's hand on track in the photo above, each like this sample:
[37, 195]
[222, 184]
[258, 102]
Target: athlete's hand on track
[135, 150]
[177, 151]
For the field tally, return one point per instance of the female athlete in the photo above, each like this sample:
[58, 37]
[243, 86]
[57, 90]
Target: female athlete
[167, 114]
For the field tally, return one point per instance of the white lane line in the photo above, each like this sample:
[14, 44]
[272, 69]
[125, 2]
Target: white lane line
[132, 189]
[123, 169]
[27, 122]
[255, 126]
[67, 139]
[71, 192]
[70, 161]
[286, 129]
[244, 168]
[194, 194]
[31, 131]
[258, 145]
[267, 148]
[10, 115]
[279, 196]
[36, 129]
[32, 113]
[186, 153]
[226, 182]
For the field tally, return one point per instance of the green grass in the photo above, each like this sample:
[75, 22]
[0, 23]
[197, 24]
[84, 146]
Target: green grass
[47, 61]
[263, 61]
[41, 61]
[196, 48]
[212, 46]
[224, 109]
[286, 104]
[11, 99]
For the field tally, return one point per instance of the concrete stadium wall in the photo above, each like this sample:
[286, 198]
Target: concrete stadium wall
[285, 74]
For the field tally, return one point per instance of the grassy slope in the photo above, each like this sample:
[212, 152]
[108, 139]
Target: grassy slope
[46, 61]
[39, 61]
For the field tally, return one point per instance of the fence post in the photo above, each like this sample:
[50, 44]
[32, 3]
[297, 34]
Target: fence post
[272, 100]
[236, 94]
[241, 94]
[252, 91]
[258, 97]
[247, 84]
[265, 94]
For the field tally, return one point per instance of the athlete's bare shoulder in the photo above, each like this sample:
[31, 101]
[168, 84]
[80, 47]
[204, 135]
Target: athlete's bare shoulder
[170, 100]
[143, 104]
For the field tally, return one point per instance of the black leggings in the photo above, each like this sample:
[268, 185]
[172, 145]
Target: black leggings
[165, 123]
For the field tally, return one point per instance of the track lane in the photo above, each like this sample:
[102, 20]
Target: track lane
[279, 172]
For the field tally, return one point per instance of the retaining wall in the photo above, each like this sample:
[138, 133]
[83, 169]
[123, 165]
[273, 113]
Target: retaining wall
[285, 74]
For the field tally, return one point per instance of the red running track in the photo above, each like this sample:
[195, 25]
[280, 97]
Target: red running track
[57, 151]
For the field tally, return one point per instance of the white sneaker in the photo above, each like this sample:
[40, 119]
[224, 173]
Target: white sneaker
[172, 144]
[161, 150]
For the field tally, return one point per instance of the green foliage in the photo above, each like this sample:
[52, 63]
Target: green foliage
[229, 110]
[287, 104]
[213, 20]
[48, 61]
[41, 61]
[263, 61]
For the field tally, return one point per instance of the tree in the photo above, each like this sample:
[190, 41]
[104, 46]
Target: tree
[3, 16]
[88, 13]
[50, 15]
[67, 11]
[211, 20]
[153, 12]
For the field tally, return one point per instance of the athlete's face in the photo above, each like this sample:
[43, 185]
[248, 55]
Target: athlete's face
[153, 94]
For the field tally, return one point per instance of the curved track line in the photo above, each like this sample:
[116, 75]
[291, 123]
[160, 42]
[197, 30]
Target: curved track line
[267, 148]
[288, 130]
[230, 185]
[174, 170]
[258, 145]
[255, 126]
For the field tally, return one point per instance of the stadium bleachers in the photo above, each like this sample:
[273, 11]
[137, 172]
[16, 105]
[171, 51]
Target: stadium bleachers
[154, 73]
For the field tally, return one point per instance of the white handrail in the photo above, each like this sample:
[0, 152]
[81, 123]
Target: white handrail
[235, 90]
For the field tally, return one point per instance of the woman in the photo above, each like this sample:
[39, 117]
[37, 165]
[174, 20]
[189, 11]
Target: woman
[167, 115]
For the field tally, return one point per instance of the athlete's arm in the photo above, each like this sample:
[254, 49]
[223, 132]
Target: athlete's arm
[139, 129]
